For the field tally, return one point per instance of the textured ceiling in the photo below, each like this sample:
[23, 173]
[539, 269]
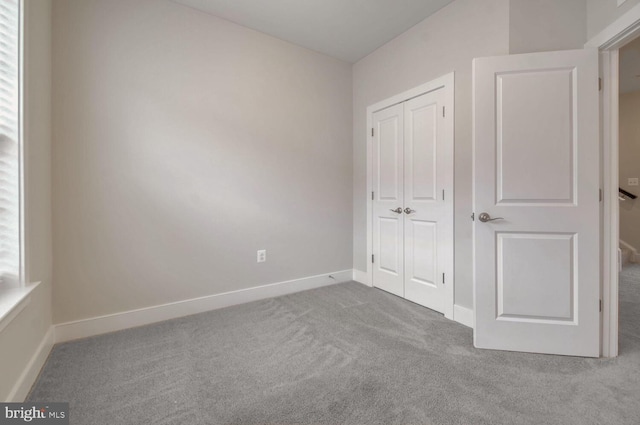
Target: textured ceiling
[344, 29]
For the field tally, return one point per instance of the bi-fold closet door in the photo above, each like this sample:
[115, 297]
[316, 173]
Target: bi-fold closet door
[413, 200]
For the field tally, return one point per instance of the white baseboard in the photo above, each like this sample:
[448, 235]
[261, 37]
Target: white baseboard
[144, 316]
[463, 315]
[360, 276]
[30, 373]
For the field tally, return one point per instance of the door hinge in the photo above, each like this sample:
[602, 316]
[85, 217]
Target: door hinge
[600, 306]
[443, 194]
[372, 258]
[600, 194]
[443, 278]
[443, 113]
[372, 132]
[599, 84]
[373, 196]
[473, 216]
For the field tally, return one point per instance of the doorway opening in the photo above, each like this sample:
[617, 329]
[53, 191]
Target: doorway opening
[629, 188]
[610, 42]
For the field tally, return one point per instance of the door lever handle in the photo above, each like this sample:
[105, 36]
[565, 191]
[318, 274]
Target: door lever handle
[409, 210]
[484, 217]
[397, 210]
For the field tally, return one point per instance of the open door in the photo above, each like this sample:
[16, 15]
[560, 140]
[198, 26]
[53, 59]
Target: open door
[536, 203]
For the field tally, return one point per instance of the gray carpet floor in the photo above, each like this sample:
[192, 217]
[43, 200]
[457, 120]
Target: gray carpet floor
[344, 354]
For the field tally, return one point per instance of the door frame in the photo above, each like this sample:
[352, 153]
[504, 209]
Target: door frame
[446, 82]
[608, 41]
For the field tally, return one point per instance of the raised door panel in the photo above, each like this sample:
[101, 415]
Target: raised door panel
[536, 138]
[536, 280]
[422, 250]
[421, 150]
[389, 160]
[390, 254]
[422, 271]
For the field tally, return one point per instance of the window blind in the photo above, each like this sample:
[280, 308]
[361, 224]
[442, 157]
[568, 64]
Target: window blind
[9, 142]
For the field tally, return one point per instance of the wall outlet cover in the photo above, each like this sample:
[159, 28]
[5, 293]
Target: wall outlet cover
[633, 181]
[262, 256]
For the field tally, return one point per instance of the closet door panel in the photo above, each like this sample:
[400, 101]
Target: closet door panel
[425, 213]
[388, 187]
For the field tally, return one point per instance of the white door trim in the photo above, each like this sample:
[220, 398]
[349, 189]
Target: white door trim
[608, 41]
[446, 81]
[611, 207]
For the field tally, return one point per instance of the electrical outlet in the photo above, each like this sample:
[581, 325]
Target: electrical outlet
[262, 256]
[633, 181]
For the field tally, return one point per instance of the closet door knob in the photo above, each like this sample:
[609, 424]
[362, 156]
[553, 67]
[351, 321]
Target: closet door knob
[409, 210]
[397, 210]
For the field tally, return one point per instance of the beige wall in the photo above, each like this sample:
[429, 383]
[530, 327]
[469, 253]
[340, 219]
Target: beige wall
[545, 25]
[20, 339]
[630, 166]
[601, 13]
[444, 42]
[183, 144]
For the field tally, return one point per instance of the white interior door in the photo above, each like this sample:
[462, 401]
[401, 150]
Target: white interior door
[536, 147]
[428, 220]
[412, 199]
[388, 184]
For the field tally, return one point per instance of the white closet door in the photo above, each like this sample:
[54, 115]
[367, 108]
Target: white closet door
[428, 220]
[388, 189]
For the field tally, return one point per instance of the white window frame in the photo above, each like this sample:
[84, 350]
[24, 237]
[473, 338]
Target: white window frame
[21, 146]
[14, 298]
